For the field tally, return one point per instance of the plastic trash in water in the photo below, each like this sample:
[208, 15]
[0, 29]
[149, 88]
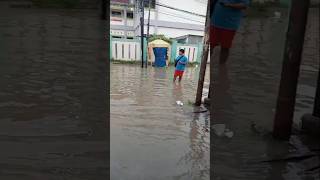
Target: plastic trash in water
[277, 14]
[179, 103]
[219, 129]
[229, 134]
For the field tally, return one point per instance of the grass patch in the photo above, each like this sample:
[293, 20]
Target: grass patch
[190, 103]
[56, 3]
[189, 63]
[115, 61]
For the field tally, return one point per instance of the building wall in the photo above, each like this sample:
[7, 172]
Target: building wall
[166, 21]
[121, 26]
[174, 23]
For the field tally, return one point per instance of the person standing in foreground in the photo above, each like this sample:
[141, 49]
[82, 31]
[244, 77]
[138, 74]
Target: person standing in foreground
[225, 21]
[180, 65]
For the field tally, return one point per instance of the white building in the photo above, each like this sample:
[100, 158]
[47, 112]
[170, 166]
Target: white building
[172, 18]
[122, 18]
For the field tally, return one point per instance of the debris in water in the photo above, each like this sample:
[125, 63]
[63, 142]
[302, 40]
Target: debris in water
[277, 14]
[219, 129]
[201, 111]
[229, 134]
[179, 103]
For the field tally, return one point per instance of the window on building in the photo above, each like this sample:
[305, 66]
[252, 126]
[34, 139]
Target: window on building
[130, 15]
[115, 13]
[119, 37]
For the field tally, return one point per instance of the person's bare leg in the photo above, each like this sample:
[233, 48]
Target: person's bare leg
[224, 54]
[174, 78]
[180, 77]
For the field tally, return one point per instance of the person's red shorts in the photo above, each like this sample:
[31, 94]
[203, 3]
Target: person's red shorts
[222, 37]
[178, 73]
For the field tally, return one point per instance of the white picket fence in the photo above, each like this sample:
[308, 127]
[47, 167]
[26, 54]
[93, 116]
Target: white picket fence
[191, 52]
[126, 51]
[131, 51]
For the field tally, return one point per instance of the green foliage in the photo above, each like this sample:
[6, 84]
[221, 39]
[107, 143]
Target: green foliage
[115, 61]
[162, 37]
[56, 3]
[190, 103]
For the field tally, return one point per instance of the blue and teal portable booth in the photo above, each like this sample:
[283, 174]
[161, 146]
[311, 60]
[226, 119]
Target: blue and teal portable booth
[159, 53]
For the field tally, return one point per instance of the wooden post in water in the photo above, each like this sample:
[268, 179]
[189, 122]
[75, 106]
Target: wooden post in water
[205, 51]
[316, 107]
[290, 69]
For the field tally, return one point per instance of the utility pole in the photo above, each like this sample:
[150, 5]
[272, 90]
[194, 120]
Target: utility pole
[125, 20]
[142, 31]
[316, 107]
[104, 9]
[290, 69]
[205, 51]
[148, 33]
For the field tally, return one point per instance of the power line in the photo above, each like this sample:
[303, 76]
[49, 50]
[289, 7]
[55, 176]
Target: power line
[181, 10]
[177, 16]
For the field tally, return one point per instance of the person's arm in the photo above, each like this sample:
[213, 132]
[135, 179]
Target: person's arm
[183, 61]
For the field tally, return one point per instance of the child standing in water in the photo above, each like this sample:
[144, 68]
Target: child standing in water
[180, 65]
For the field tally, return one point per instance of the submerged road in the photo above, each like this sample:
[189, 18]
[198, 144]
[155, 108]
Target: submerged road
[154, 138]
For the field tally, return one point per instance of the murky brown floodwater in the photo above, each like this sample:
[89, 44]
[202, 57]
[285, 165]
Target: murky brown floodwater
[53, 95]
[151, 136]
[154, 138]
[49, 57]
[245, 98]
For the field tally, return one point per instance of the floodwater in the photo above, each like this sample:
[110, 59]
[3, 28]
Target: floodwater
[152, 137]
[48, 58]
[245, 99]
[53, 95]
